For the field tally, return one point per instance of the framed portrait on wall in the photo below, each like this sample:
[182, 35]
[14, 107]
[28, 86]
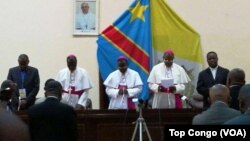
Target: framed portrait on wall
[86, 17]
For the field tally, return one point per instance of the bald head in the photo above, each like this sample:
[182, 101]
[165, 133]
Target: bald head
[236, 77]
[244, 97]
[219, 92]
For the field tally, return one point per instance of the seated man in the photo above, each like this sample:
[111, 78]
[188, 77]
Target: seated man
[122, 85]
[235, 80]
[52, 120]
[40, 100]
[219, 111]
[244, 102]
[8, 88]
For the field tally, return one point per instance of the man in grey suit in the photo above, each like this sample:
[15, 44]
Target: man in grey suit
[27, 80]
[244, 102]
[219, 111]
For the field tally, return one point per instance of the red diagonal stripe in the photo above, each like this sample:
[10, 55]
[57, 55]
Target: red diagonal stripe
[127, 46]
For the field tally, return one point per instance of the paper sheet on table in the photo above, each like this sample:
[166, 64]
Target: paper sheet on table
[167, 82]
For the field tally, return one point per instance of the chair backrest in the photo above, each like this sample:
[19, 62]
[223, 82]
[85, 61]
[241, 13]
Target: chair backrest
[89, 104]
[196, 101]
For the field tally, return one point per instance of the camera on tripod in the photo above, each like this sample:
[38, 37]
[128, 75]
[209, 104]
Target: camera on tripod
[140, 104]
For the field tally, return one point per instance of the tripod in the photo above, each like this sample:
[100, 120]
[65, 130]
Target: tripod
[140, 123]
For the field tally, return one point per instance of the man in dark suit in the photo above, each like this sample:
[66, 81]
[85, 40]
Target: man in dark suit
[235, 80]
[244, 102]
[219, 111]
[27, 80]
[214, 74]
[52, 120]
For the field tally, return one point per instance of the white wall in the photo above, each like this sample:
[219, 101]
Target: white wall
[223, 26]
[43, 29]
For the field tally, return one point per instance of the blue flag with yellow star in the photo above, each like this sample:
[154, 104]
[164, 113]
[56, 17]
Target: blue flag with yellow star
[129, 35]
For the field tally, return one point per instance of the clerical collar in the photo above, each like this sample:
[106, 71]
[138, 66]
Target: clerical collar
[52, 97]
[219, 101]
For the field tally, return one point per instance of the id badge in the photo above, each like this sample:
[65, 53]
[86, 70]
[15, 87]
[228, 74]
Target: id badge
[22, 93]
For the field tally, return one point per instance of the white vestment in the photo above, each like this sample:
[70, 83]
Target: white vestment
[85, 22]
[160, 72]
[134, 86]
[81, 82]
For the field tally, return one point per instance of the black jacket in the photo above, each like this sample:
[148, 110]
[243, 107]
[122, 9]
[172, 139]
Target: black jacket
[52, 121]
[234, 93]
[31, 84]
[206, 81]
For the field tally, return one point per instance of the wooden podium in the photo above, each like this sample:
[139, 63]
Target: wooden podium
[116, 125]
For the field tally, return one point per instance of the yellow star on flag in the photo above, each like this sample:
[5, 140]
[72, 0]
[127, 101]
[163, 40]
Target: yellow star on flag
[137, 12]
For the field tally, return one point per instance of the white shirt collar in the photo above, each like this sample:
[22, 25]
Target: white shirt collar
[213, 71]
[52, 97]
[213, 68]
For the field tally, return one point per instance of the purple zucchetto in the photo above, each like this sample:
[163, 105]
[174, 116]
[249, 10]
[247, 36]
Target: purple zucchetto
[71, 55]
[122, 58]
[169, 51]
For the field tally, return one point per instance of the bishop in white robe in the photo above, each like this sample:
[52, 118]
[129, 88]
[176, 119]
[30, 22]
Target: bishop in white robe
[75, 82]
[122, 85]
[167, 97]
